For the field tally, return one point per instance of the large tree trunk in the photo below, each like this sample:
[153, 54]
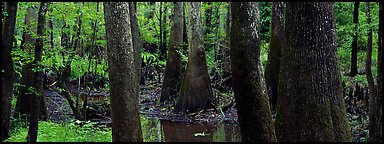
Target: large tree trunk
[276, 41]
[185, 35]
[310, 104]
[37, 76]
[172, 78]
[354, 43]
[7, 72]
[252, 101]
[196, 92]
[123, 87]
[375, 100]
[164, 31]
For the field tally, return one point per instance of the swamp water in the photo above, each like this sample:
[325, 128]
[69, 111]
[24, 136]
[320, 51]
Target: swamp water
[156, 130]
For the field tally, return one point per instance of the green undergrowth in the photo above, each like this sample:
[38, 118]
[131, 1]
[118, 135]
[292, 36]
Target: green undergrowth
[71, 132]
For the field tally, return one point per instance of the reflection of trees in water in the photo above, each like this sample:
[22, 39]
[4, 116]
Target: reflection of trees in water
[182, 132]
[151, 129]
[155, 130]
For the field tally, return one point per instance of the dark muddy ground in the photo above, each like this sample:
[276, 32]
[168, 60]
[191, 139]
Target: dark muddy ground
[99, 108]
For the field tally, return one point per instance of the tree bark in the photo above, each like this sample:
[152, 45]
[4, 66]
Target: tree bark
[123, 89]
[37, 75]
[310, 104]
[354, 43]
[252, 102]
[136, 41]
[7, 72]
[375, 99]
[196, 92]
[164, 31]
[274, 52]
[185, 35]
[172, 78]
[24, 98]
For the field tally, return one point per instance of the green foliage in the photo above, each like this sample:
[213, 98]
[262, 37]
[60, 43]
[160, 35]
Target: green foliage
[71, 132]
[344, 37]
[265, 10]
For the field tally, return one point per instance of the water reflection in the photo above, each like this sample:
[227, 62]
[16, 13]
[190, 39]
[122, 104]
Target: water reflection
[155, 130]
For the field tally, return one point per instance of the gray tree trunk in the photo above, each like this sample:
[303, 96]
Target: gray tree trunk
[122, 74]
[310, 104]
[196, 92]
[252, 101]
[172, 78]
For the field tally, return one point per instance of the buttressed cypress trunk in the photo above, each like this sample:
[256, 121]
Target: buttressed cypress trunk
[196, 92]
[7, 72]
[123, 87]
[172, 78]
[310, 104]
[252, 101]
[274, 53]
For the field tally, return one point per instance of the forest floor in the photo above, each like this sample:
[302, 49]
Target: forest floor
[98, 109]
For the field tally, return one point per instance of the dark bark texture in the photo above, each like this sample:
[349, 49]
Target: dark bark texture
[136, 41]
[196, 92]
[376, 100]
[24, 99]
[310, 104]
[252, 101]
[172, 78]
[354, 42]
[7, 72]
[276, 41]
[122, 74]
[37, 91]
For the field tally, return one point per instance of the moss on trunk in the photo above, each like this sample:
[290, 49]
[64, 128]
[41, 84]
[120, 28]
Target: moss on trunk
[310, 103]
[252, 101]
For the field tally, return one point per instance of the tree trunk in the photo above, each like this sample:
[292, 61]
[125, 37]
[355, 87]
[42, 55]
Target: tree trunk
[136, 39]
[226, 50]
[354, 43]
[196, 92]
[310, 104]
[24, 98]
[274, 53]
[7, 72]
[208, 26]
[164, 42]
[172, 78]
[252, 102]
[375, 100]
[123, 88]
[185, 35]
[37, 76]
